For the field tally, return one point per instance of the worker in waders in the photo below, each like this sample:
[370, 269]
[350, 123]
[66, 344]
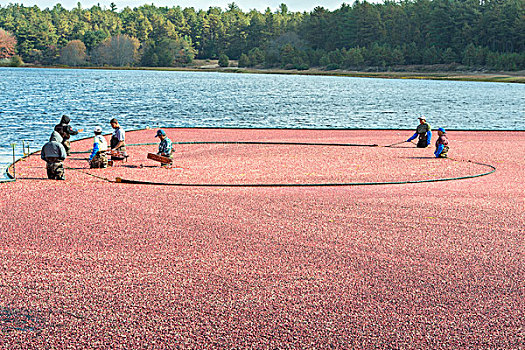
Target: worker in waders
[65, 129]
[165, 146]
[54, 154]
[117, 142]
[441, 144]
[423, 132]
[98, 157]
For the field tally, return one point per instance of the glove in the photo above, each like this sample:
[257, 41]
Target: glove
[412, 137]
[438, 151]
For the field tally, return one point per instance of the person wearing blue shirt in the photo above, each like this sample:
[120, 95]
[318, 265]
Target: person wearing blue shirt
[98, 157]
[165, 146]
[424, 133]
[441, 144]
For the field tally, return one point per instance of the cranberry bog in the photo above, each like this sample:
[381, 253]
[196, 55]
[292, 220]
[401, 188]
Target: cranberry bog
[269, 239]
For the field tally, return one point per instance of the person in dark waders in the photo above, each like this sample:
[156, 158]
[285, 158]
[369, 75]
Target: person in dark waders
[441, 144]
[117, 142]
[54, 154]
[98, 157]
[424, 133]
[65, 129]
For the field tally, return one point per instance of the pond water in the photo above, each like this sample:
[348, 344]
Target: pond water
[32, 101]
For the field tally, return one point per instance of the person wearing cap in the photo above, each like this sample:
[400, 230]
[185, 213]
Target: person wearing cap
[118, 140]
[165, 146]
[441, 144]
[65, 129]
[424, 133]
[98, 157]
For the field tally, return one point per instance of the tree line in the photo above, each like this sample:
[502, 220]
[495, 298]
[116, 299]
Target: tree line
[475, 33]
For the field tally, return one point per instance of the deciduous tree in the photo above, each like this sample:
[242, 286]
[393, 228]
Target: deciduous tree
[7, 44]
[73, 54]
[118, 51]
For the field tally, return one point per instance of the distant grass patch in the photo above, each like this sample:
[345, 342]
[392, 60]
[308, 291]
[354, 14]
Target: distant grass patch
[455, 76]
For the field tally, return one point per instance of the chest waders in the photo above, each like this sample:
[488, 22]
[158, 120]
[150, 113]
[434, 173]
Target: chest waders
[55, 168]
[122, 149]
[422, 130]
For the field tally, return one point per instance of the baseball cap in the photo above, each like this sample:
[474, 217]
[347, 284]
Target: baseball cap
[442, 130]
[97, 129]
[160, 132]
[422, 118]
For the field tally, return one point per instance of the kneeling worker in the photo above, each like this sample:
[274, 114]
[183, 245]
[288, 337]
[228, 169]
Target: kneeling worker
[98, 157]
[165, 146]
[54, 154]
[441, 144]
[118, 141]
[424, 133]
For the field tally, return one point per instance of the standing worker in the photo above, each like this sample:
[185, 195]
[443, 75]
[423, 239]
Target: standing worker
[98, 157]
[54, 154]
[65, 129]
[165, 146]
[117, 142]
[424, 133]
[441, 144]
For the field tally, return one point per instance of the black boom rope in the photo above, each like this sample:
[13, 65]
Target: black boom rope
[333, 184]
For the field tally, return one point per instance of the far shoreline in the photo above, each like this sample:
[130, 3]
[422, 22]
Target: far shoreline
[494, 77]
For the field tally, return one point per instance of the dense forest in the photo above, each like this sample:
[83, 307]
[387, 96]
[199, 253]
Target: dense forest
[488, 34]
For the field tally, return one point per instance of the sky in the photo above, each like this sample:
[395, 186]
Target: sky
[245, 5]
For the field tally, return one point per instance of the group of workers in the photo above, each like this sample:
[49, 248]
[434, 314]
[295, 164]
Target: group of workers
[117, 146]
[58, 148]
[424, 135]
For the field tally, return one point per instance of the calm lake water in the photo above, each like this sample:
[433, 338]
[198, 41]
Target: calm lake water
[33, 100]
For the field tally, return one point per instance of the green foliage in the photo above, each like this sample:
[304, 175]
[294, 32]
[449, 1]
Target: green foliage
[244, 61]
[353, 58]
[487, 34]
[332, 66]
[224, 61]
[16, 61]
[256, 56]
[167, 52]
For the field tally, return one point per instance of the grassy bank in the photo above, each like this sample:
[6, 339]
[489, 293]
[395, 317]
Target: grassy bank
[428, 73]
